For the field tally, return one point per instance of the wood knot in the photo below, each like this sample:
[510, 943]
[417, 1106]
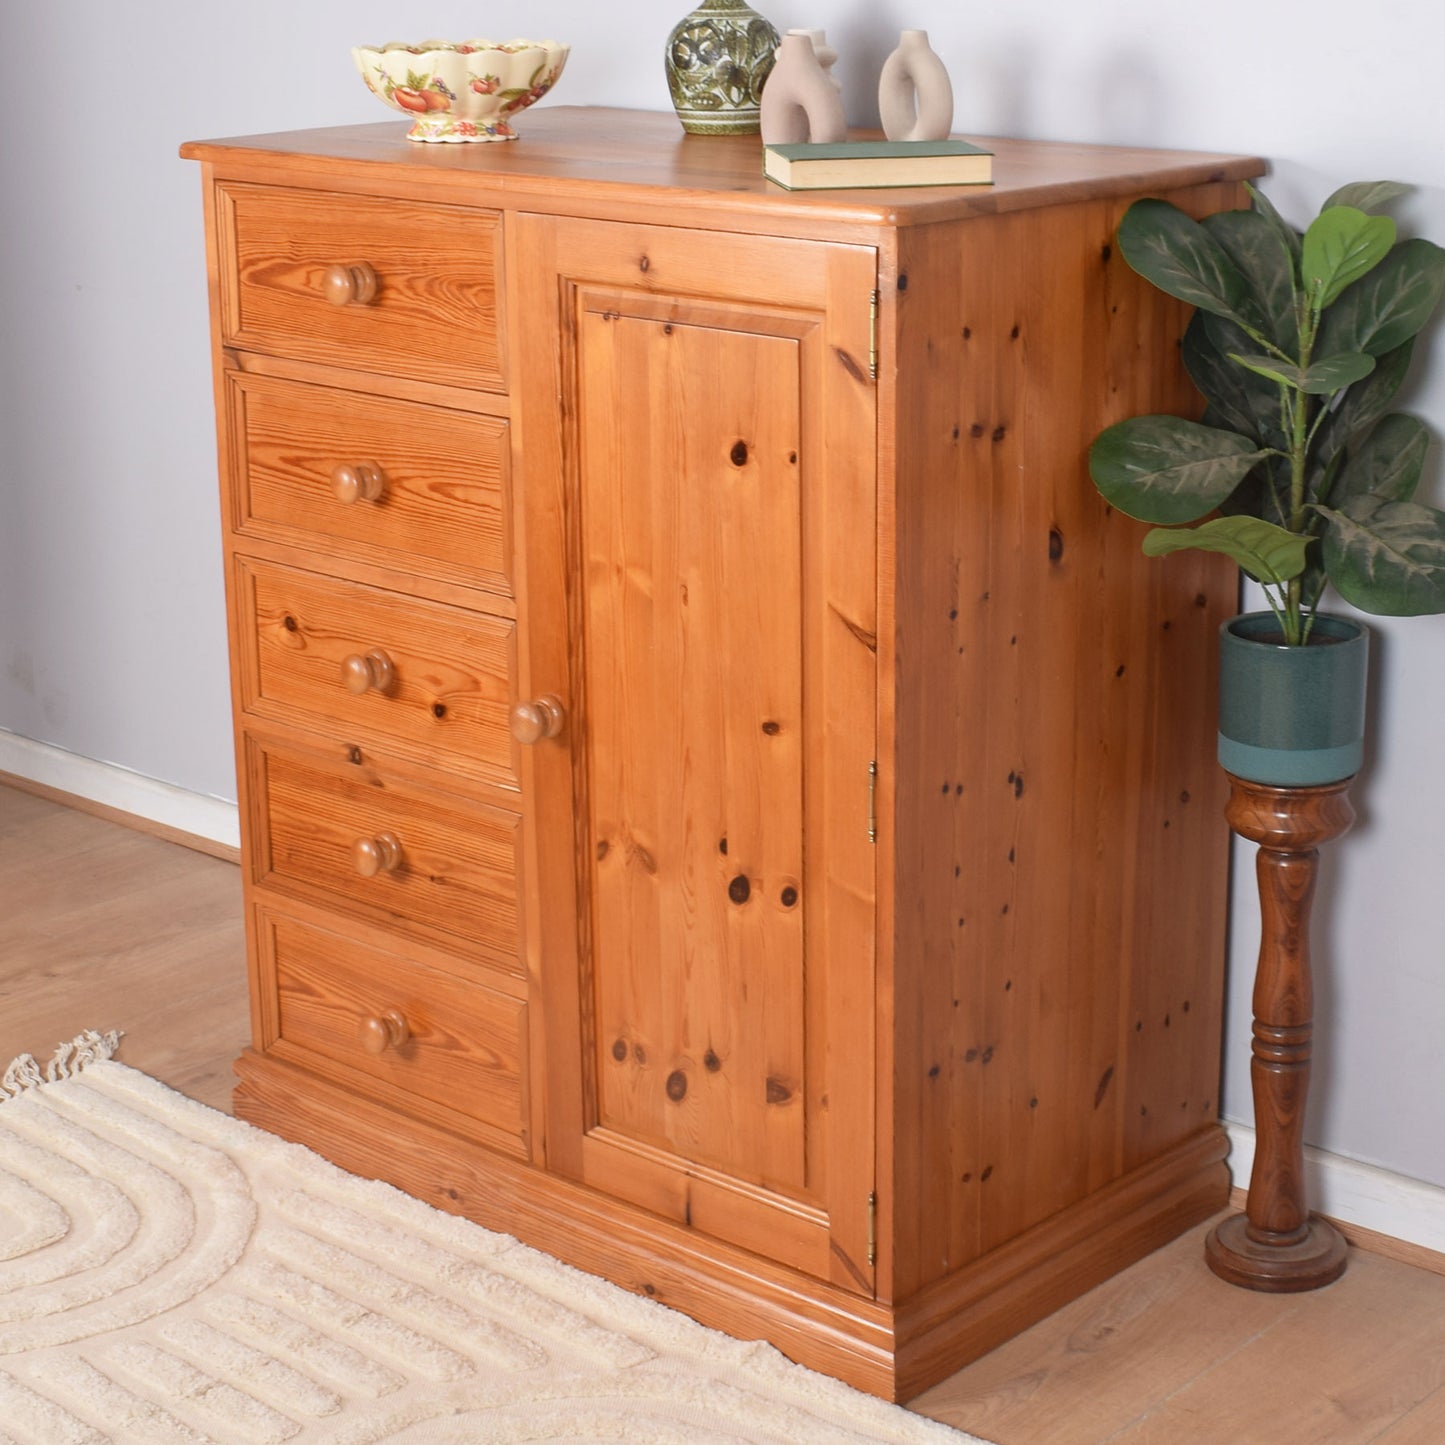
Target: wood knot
[677, 1086]
[711, 1062]
[739, 890]
[789, 896]
[739, 454]
[778, 1092]
[1056, 544]
[619, 1050]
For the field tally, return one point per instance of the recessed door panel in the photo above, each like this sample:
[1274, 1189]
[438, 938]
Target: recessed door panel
[692, 648]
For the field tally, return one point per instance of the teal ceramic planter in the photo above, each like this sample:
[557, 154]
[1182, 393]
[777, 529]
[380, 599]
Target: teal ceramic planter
[1292, 716]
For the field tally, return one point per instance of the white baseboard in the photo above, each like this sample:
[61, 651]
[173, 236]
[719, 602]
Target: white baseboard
[1355, 1193]
[122, 789]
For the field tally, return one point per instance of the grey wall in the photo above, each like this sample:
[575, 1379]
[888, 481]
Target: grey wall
[111, 620]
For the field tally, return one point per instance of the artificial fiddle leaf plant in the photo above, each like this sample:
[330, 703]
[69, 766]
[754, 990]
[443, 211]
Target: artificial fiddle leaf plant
[1299, 344]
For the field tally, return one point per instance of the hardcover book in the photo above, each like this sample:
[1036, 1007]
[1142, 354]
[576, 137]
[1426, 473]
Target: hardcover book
[860, 163]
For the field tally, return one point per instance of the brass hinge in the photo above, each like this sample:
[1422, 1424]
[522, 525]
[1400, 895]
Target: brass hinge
[873, 336]
[872, 1229]
[872, 793]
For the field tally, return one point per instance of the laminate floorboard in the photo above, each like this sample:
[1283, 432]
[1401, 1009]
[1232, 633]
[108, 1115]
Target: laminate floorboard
[105, 927]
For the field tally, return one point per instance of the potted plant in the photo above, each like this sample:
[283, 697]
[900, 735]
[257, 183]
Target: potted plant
[1299, 345]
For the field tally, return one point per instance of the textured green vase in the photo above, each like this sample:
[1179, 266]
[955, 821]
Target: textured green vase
[1292, 716]
[718, 57]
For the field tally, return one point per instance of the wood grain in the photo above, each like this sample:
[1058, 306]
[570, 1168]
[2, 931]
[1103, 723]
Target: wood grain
[435, 316]
[445, 502]
[619, 164]
[450, 700]
[103, 926]
[458, 872]
[464, 1047]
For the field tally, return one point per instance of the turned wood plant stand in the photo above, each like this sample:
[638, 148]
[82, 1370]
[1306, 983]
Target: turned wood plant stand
[1277, 1245]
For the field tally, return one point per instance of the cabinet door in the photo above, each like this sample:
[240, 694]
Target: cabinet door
[697, 436]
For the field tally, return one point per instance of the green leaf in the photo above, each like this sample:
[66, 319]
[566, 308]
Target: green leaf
[1242, 401]
[1264, 493]
[1388, 306]
[1387, 463]
[1387, 557]
[1165, 469]
[1287, 233]
[1182, 259]
[1341, 245]
[1321, 378]
[1268, 553]
[1368, 196]
[1261, 256]
[1361, 408]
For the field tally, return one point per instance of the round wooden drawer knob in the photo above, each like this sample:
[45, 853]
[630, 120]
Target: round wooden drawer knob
[381, 854]
[365, 482]
[349, 285]
[542, 718]
[368, 672]
[380, 1032]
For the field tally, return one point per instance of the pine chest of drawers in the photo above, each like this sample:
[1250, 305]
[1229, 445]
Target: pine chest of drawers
[723, 799]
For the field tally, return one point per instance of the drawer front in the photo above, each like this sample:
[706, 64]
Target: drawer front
[430, 682]
[392, 482]
[402, 288]
[406, 855]
[458, 1043]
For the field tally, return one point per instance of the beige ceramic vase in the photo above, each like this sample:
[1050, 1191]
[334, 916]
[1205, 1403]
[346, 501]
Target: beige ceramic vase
[800, 102]
[915, 96]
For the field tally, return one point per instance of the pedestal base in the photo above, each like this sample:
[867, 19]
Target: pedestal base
[1313, 1262]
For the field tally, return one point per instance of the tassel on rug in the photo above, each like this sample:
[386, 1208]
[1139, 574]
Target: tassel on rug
[69, 1058]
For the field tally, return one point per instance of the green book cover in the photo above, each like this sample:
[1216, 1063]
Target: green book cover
[849, 150]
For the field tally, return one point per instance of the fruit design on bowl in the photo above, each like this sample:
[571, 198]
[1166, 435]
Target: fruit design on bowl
[465, 91]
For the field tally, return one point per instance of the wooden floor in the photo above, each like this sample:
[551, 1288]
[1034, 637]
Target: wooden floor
[103, 927]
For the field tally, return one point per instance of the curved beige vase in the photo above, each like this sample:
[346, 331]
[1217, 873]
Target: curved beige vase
[915, 96]
[800, 102]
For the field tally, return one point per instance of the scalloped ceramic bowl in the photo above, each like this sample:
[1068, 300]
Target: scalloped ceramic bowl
[464, 90]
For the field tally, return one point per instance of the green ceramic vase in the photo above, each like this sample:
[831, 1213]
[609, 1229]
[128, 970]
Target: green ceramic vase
[718, 57]
[1292, 716]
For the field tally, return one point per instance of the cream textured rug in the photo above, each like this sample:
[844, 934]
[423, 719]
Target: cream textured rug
[170, 1274]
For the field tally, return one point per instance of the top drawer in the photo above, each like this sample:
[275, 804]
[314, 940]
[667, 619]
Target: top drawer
[402, 288]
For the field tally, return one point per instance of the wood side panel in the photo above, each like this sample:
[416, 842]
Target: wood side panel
[1054, 703]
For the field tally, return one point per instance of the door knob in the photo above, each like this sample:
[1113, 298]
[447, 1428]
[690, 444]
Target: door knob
[380, 1032]
[349, 285]
[372, 671]
[364, 482]
[381, 854]
[541, 718]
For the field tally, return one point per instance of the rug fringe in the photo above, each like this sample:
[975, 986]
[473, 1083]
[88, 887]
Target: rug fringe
[69, 1058]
